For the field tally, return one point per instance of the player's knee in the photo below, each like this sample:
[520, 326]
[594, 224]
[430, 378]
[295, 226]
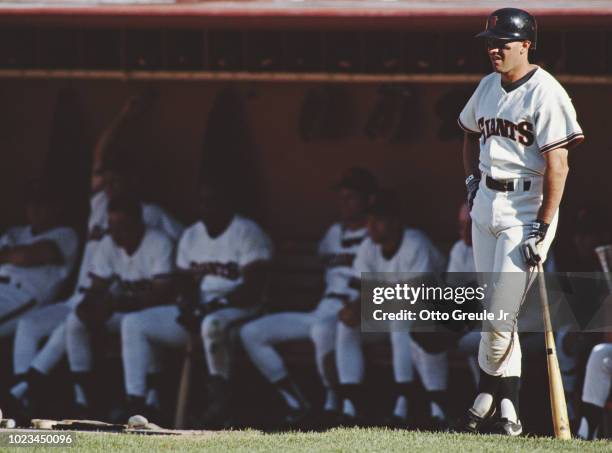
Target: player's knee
[322, 334]
[130, 325]
[249, 335]
[212, 328]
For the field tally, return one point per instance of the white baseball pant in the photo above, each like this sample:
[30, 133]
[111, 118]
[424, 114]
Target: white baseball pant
[260, 336]
[500, 223]
[143, 332]
[598, 377]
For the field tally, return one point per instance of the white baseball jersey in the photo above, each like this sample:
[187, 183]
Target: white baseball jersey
[338, 247]
[152, 216]
[518, 126]
[41, 282]
[415, 254]
[222, 259]
[153, 257]
[461, 258]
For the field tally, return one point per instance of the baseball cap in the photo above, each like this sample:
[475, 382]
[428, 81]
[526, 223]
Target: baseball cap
[358, 179]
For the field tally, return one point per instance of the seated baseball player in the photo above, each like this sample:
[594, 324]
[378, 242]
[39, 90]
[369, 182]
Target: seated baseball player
[32, 363]
[35, 259]
[128, 271]
[390, 248]
[596, 391]
[338, 247]
[222, 260]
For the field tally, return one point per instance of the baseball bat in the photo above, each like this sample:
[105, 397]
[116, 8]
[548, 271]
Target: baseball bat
[184, 385]
[555, 384]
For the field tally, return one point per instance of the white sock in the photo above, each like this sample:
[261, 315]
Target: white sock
[348, 409]
[482, 404]
[291, 401]
[401, 407]
[508, 411]
[79, 395]
[19, 390]
[436, 411]
[583, 430]
[331, 401]
[152, 398]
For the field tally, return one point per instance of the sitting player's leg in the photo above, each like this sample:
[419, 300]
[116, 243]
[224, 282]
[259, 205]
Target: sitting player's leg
[433, 370]
[80, 358]
[596, 390]
[350, 363]
[31, 331]
[142, 332]
[14, 304]
[217, 352]
[323, 335]
[403, 372]
[259, 337]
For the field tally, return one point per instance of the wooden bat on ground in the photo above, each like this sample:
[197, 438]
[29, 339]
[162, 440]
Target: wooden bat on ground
[555, 384]
[184, 385]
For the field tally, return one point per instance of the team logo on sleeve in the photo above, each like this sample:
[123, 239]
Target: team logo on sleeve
[521, 132]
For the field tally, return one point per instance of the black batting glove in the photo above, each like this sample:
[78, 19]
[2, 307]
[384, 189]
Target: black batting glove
[472, 182]
[529, 247]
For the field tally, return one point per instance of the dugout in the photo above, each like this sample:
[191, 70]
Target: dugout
[322, 85]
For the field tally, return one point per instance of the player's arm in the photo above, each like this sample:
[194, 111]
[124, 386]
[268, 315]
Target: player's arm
[255, 279]
[471, 154]
[133, 106]
[471, 159]
[40, 253]
[555, 176]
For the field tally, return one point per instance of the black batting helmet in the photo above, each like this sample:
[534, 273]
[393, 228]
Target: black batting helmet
[511, 24]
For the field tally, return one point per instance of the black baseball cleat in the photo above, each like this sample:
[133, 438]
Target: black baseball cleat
[473, 423]
[507, 427]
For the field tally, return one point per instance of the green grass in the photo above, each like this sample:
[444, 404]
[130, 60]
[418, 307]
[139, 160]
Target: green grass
[337, 440]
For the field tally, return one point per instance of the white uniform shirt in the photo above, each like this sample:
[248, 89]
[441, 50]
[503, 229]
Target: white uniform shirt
[152, 216]
[416, 254]
[41, 282]
[222, 258]
[153, 257]
[461, 258]
[339, 247]
[517, 127]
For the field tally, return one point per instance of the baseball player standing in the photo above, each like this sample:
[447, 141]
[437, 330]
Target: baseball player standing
[519, 125]
[337, 248]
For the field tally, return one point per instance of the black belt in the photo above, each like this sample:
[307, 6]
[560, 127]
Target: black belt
[505, 186]
[4, 279]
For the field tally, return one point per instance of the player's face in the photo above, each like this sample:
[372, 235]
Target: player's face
[210, 202]
[115, 184]
[352, 205]
[122, 228]
[465, 225]
[380, 229]
[506, 55]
